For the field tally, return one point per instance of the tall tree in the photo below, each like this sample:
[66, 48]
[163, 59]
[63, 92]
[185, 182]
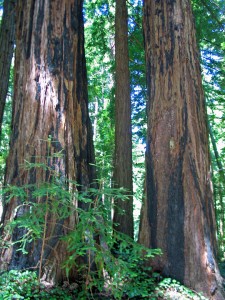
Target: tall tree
[218, 188]
[7, 36]
[123, 136]
[179, 213]
[99, 51]
[50, 99]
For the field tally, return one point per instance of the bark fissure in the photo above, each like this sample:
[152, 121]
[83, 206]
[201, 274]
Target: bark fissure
[179, 200]
[152, 192]
[50, 114]
[175, 217]
[30, 30]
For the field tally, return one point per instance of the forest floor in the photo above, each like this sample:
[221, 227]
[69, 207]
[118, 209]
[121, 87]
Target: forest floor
[24, 286]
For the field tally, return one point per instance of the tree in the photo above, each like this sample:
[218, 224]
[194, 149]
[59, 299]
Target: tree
[99, 50]
[218, 188]
[178, 213]
[123, 136]
[7, 36]
[50, 114]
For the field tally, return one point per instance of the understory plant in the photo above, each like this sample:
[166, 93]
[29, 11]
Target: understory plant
[108, 263]
[24, 285]
[172, 289]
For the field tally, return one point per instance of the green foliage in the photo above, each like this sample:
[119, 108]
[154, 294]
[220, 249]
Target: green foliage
[116, 273]
[171, 289]
[138, 184]
[137, 71]
[107, 262]
[1, 12]
[18, 285]
[100, 52]
[92, 236]
[6, 128]
[99, 45]
[25, 285]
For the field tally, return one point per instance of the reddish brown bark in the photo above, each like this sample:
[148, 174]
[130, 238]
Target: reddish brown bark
[123, 137]
[179, 207]
[50, 100]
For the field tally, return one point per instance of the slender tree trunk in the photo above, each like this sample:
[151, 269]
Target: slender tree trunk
[123, 136]
[179, 205]
[218, 192]
[7, 37]
[50, 99]
[217, 156]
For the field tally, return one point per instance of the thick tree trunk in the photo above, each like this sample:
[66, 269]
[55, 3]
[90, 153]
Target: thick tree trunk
[179, 205]
[50, 99]
[7, 37]
[123, 138]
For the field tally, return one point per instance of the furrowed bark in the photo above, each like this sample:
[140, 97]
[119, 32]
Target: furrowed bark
[50, 99]
[179, 204]
[123, 137]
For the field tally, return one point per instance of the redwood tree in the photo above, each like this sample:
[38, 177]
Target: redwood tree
[178, 214]
[50, 99]
[123, 137]
[7, 37]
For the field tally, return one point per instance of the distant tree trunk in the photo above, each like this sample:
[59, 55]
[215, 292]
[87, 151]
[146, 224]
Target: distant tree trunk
[7, 37]
[218, 193]
[50, 99]
[217, 156]
[123, 137]
[179, 205]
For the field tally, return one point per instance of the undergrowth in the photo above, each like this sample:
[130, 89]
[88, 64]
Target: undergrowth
[106, 262]
[24, 285]
[109, 265]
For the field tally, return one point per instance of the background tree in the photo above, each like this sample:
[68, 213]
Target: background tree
[7, 36]
[100, 54]
[51, 96]
[123, 134]
[100, 57]
[138, 103]
[179, 212]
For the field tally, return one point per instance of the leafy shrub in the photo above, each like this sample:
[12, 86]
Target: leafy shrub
[171, 289]
[25, 285]
[115, 264]
[103, 268]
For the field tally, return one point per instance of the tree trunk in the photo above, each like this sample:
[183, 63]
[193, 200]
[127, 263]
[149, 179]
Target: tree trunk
[123, 138]
[50, 99]
[179, 205]
[7, 37]
[218, 193]
[217, 156]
